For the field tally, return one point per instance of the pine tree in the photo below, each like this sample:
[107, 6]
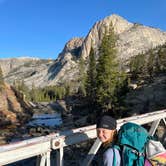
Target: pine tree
[108, 78]
[151, 64]
[33, 93]
[91, 78]
[22, 88]
[137, 65]
[68, 88]
[82, 78]
[162, 59]
[1, 78]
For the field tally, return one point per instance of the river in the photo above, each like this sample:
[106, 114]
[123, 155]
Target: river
[47, 120]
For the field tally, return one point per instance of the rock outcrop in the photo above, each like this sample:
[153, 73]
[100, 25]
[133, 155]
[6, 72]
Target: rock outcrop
[13, 110]
[132, 40]
[95, 35]
[65, 69]
[31, 70]
[147, 97]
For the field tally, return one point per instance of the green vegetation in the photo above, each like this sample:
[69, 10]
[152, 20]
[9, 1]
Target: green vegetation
[1, 79]
[22, 88]
[91, 77]
[109, 79]
[91, 80]
[148, 64]
[82, 77]
[137, 65]
[106, 84]
[49, 93]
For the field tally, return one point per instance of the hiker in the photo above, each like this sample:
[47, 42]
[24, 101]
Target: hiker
[107, 133]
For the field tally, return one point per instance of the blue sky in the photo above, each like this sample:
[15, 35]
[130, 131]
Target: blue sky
[40, 28]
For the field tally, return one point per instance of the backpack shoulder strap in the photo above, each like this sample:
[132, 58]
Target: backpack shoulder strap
[117, 147]
[114, 157]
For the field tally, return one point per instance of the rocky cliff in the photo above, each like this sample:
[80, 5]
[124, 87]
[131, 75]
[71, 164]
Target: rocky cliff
[31, 70]
[13, 110]
[132, 40]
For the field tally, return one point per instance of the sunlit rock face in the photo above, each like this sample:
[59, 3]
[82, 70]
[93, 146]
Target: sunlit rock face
[29, 70]
[13, 110]
[132, 39]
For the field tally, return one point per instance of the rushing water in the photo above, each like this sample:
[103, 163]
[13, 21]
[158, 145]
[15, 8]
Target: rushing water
[49, 120]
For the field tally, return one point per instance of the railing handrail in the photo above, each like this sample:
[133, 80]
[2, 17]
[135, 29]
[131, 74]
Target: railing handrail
[65, 138]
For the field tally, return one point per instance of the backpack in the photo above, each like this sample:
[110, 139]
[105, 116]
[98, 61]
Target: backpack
[155, 153]
[131, 140]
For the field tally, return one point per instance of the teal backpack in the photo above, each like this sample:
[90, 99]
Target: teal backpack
[132, 139]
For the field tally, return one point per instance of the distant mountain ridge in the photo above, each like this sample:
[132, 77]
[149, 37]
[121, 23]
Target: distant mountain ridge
[132, 40]
[31, 70]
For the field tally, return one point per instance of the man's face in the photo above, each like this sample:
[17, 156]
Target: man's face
[104, 134]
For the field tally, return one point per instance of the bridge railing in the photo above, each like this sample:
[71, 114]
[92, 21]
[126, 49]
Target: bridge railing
[42, 146]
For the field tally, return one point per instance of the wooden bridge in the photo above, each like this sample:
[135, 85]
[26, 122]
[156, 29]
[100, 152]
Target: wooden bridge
[42, 146]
